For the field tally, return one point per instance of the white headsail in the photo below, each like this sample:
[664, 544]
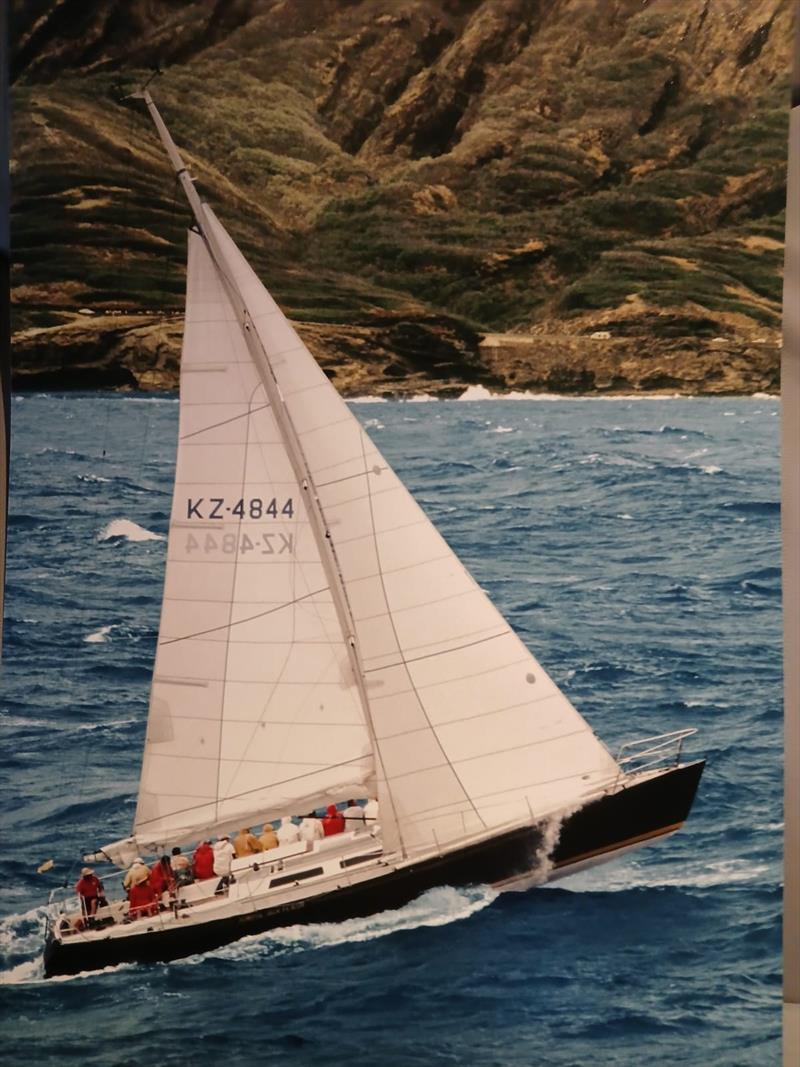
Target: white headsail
[316, 627]
[471, 731]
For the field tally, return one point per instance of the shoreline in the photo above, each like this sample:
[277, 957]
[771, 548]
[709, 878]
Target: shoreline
[470, 394]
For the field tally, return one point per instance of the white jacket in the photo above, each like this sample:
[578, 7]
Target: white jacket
[311, 830]
[354, 818]
[287, 832]
[223, 854]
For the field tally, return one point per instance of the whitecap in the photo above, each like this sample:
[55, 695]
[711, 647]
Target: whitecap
[99, 636]
[618, 878]
[22, 934]
[711, 469]
[366, 400]
[503, 429]
[128, 530]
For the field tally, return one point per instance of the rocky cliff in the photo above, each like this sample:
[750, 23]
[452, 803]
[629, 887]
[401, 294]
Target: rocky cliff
[440, 192]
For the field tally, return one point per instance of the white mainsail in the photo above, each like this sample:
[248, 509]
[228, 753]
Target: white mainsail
[254, 711]
[354, 644]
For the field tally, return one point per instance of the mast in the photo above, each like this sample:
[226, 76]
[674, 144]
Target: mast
[391, 831]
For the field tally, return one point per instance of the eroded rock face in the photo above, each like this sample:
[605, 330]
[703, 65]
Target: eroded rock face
[405, 174]
[392, 356]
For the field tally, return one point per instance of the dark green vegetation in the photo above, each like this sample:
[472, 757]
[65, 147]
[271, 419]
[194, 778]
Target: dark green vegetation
[511, 165]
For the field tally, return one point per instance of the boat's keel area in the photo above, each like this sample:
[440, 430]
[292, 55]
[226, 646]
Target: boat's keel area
[351, 878]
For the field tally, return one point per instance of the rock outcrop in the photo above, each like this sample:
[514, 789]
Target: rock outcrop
[407, 175]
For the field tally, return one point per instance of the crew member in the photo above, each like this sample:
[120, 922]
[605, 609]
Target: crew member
[223, 854]
[203, 861]
[332, 821]
[353, 816]
[246, 843]
[311, 828]
[90, 889]
[287, 831]
[268, 838]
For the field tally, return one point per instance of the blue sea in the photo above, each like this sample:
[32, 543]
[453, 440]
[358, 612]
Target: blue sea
[633, 543]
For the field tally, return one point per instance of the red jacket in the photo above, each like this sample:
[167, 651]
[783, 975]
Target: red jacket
[142, 900]
[160, 879]
[203, 861]
[89, 886]
[332, 822]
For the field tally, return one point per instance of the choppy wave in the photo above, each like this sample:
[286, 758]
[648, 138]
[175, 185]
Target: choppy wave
[98, 637]
[648, 591]
[125, 530]
[692, 875]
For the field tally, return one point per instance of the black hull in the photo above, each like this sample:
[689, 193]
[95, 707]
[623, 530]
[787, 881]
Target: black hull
[641, 812]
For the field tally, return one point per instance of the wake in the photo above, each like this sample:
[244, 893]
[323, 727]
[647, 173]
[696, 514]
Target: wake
[437, 907]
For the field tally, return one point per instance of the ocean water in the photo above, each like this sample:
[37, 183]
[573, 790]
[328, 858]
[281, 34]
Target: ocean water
[634, 544]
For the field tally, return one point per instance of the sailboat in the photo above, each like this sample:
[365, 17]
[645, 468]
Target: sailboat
[320, 641]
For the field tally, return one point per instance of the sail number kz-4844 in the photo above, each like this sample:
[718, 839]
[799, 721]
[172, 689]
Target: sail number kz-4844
[216, 508]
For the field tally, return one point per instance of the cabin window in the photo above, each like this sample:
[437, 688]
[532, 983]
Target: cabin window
[358, 859]
[298, 876]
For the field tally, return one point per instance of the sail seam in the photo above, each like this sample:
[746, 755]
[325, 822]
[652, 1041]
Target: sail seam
[239, 760]
[272, 722]
[449, 681]
[413, 607]
[347, 478]
[239, 622]
[430, 655]
[226, 422]
[423, 813]
[368, 536]
[482, 755]
[406, 567]
[551, 781]
[478, 715]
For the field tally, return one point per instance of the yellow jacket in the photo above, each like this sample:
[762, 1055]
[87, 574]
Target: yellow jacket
[268, 839]
[137, 874]
[246, 844]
